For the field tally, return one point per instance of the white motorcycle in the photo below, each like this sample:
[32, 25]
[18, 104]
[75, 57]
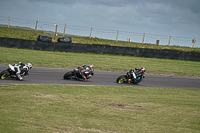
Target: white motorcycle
[12, 70]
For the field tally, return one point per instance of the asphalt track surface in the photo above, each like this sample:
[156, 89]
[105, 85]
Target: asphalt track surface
[40, 75]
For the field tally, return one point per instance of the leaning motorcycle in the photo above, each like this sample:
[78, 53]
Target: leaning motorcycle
[127, 78]
[75, 75]
[11, 72]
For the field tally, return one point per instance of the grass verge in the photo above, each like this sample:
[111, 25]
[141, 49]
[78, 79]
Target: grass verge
[114, 63]
[32, 35]
[57, 108]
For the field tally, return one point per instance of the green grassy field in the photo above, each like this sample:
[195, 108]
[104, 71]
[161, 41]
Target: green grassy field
[101, 62]
[32, 35]
[83, 109]
[79, 109]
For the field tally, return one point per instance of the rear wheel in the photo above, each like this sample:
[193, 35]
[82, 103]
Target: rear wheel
[68, 75]
[121, 79]
[4, 74]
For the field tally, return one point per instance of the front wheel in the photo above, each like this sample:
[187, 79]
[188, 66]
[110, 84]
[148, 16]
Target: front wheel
[68, 75]
[4, 74]
[121, 79]
[138, 80]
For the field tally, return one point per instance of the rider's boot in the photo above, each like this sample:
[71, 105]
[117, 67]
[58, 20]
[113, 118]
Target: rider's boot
[19, 76]
[18, 72]
[134, 80]
[84, 78]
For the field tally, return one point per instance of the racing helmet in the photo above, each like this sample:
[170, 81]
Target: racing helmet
[87, 68]
[91, 66]
[29, 65]
[143, 69]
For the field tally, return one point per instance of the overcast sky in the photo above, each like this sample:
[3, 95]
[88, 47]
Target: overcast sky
[180, 18]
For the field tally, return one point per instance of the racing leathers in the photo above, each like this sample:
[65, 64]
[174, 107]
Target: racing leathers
[131, 75]
[21, 68]
[85, 72]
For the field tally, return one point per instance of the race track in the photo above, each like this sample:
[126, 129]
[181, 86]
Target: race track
[40, 75]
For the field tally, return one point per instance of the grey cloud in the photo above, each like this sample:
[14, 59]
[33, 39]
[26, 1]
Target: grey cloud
[151, 14]
[193, 4]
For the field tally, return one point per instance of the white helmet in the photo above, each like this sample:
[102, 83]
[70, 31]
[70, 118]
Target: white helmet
[29, 65]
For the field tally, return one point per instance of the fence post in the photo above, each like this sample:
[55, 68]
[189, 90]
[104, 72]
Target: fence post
[56, 25]
[169, 40]
[193, 41]
[117, 36]
[143, 38]
[91, 32]
[157, 42]
[36, 25]
[64, 30]
[8, 22]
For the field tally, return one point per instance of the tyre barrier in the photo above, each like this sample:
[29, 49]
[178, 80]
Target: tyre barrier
[65, 39]
[44, 38]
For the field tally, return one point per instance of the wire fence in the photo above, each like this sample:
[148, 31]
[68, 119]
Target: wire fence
[78, 31]
[72, 30]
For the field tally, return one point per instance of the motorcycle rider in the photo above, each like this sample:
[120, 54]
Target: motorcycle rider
[22, 68]
[132, 75]
[86, 70]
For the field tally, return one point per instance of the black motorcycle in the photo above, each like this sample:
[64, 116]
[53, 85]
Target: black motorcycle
[76, 75]
[127, 77]
[11, 72]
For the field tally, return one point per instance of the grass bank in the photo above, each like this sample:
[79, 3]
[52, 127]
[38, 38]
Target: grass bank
[32, 35]
[57, 108]
[114, 63]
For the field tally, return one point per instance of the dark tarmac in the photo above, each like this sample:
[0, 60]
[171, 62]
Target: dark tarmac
[40, 75]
